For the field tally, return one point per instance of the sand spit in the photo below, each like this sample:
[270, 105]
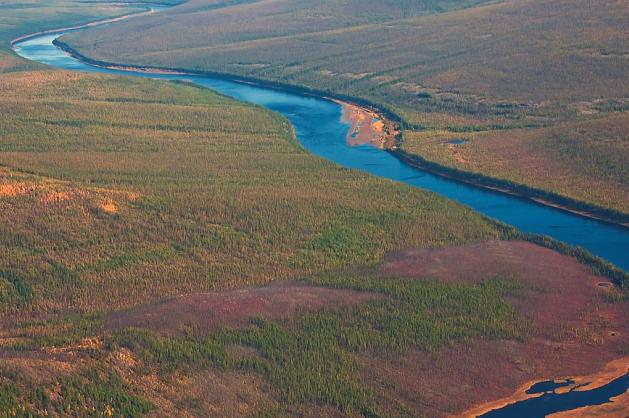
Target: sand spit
[367, 127]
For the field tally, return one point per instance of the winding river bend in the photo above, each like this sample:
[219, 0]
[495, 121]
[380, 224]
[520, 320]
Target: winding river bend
[317, 123]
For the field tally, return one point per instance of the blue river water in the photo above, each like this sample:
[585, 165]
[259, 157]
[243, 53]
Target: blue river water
[319, 129]
[551, 401]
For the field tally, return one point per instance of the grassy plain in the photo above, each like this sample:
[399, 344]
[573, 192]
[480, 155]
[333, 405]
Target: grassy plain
[501, 68]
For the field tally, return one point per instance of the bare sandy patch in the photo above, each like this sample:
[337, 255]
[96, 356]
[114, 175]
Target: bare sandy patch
[52, 194]
[109, 207]
[89, 343]
[382, 79]
[354, 76]
[13, 189]
[368, 127]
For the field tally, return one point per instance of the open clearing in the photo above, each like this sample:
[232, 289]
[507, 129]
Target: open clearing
[577, 329]
[210, 311]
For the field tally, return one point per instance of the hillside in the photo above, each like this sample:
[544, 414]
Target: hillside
[226, 218]
[491, 70]
[168, 251]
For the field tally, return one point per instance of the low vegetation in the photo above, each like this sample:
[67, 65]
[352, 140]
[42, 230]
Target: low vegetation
[91, 392]
[311, 359]
[308, 360]
[585, 160]
[316, 363]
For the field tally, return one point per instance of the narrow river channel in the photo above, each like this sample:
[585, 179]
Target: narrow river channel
[319, 129]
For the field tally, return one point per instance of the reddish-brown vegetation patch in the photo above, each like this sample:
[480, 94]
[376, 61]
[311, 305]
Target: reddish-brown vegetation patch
[234, 308]
[194, 393]
[40, 366]
[472, 263]
[576, 328]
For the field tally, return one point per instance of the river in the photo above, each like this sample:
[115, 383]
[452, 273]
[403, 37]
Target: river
[318, 126]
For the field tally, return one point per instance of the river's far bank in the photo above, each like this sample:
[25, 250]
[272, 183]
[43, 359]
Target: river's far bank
[498, 185]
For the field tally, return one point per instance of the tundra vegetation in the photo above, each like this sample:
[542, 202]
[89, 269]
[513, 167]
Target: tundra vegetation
[146, 229]
[539, 92]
